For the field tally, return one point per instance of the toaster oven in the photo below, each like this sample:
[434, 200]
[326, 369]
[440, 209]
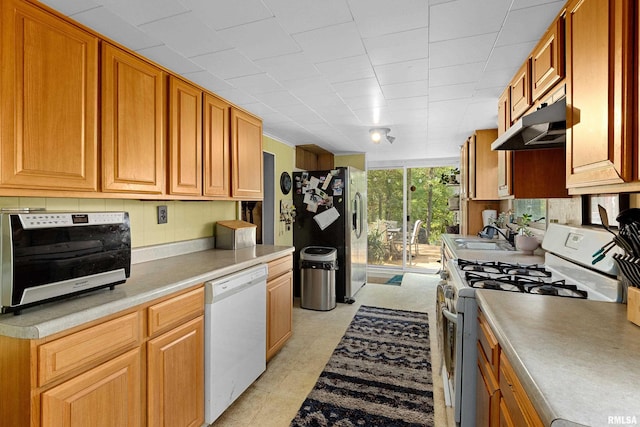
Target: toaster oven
[52, 255]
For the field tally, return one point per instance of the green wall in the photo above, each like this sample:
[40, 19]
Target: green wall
[285, 161]
[355, 160]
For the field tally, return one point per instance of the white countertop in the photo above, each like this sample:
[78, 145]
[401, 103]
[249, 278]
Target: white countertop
[148, 281]
[578, 360]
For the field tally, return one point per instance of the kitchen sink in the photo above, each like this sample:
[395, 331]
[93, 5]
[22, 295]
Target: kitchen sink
[478, 244]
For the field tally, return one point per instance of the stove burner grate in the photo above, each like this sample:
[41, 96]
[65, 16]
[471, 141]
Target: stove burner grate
[530, 285]
[498, 267]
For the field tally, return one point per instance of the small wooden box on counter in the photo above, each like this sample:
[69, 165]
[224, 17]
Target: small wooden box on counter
[633, 305]
[235, 234]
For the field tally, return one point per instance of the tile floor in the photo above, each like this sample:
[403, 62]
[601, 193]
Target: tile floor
[273, 400]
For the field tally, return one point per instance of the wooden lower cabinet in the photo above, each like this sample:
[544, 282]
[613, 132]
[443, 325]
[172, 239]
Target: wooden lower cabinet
[500, 398]
[279, 304]
[107, 395]
[141, 367]
[175, 390]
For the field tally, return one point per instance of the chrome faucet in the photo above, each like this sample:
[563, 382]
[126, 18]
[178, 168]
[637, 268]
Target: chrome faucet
[489, 230]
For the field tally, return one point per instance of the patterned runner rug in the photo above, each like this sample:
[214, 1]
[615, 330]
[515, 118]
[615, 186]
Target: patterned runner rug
[378, 375]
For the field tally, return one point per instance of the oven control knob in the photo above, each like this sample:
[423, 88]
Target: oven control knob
[444, 274]
[448, 292]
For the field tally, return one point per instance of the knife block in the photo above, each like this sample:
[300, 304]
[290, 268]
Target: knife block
[633, 305]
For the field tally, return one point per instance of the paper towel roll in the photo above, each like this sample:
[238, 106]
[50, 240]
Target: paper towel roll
[488, 215]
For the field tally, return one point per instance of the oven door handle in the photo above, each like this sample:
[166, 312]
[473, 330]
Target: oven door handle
[452, 317]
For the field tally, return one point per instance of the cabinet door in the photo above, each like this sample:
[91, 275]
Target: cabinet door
[505, 177]
[246, 155]
[471, 169]
[520, 92]
[487, 398]
[217, 156]
[464, 171]
[547, 60]
[185, 141]
[484, 172]
[108, 395]
[279, 312]
[175, 371]
[599, 110]
[133, 124]
[49, 86]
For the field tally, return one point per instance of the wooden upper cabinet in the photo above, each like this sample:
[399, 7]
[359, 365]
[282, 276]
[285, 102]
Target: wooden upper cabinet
[246, 155]
[599, 100]
[185, 140]
[504, 111]
[520, 92]
[547, 60]
[483, 165]
[217, 150]
[133, 123]
[49, 86]
[464, 170]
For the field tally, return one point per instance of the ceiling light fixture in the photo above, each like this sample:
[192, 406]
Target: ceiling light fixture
[377, 134]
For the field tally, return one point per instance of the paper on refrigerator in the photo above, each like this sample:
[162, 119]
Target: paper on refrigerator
[326, 218]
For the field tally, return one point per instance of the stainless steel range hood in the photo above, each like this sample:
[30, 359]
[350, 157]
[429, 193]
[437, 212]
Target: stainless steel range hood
[544, 128]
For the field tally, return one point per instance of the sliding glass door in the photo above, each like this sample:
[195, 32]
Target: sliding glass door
[408, 210]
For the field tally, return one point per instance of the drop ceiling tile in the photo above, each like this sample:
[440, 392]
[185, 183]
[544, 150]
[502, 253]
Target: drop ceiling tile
[297, 16]
[346, 69]
[358, 88]
[236, 96]
[522, 4]
[329, 43]
[186, 34]
[496, 78]
[168, 58]
[255, 84]
[308, 86]
[260, 39]
[524, 25]
[322, 101]
[374, 117]
[405, 71]
[70, 8]
[409, 117]
[292, 66]
[112, 26]
[466, 18]
[489, 92]
[208, 81]
[397, 47]
[401, 104]
[142, 11]
[459, 91]
[406, 90]
[360, 102]
[461, 51]
[277, 99]
[462, 73]
[379, 17]
[227, 64]
[258, 108]
[225, 14]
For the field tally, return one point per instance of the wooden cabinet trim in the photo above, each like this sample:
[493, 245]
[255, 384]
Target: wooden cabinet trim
[520, 407]
[50, 104]
[175, 311]
[87, 347]
[279, 266]
[88, 390]
[185, 141]
[520, 91]
[172, 373]
[547, 60]
[279, 312]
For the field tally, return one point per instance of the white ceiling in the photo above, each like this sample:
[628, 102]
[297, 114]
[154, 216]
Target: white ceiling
[325, 71]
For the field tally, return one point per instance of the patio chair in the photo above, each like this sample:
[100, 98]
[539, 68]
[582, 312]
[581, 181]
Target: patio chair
[412, 244]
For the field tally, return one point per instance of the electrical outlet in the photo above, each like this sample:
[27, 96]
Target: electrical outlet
[162, 214]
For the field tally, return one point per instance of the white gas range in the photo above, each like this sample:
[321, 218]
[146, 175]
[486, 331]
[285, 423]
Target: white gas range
[567, 272]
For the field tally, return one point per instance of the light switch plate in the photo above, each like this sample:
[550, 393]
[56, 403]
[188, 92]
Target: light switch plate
[163, 217]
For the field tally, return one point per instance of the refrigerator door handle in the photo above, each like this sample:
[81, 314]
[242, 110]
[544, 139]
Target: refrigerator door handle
[357, 214]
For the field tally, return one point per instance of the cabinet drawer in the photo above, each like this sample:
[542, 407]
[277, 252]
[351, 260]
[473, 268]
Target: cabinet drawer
[175, 311]
[87, 347]
[488, 344]
[280, 266]
[520, 408]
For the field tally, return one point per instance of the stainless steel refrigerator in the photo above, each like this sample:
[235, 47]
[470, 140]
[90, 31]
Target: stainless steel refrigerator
[331, 210]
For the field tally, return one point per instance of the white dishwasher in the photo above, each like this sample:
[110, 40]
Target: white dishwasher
[235, 337]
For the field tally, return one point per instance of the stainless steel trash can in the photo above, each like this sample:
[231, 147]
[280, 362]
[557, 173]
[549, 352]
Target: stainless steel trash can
[318, 266]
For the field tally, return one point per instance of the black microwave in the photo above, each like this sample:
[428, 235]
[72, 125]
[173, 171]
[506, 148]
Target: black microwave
[52, 255]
